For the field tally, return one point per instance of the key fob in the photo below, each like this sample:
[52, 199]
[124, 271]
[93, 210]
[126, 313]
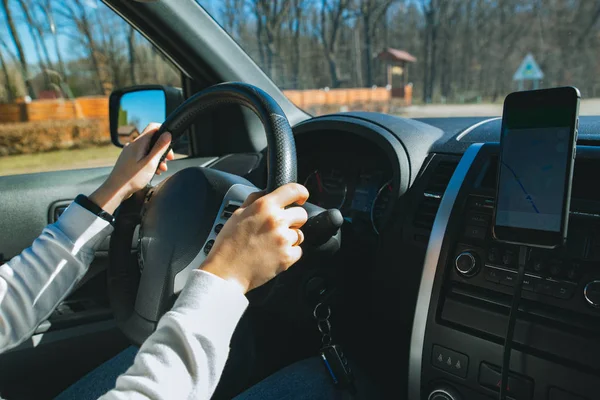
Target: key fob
[337, 366]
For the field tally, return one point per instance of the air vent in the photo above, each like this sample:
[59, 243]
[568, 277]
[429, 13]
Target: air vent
[441, 176]
[432, 196]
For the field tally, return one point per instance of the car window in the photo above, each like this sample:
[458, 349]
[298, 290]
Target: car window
[417, 58]
[59, 61]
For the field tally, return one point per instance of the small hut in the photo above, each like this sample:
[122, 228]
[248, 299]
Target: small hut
[397, 65]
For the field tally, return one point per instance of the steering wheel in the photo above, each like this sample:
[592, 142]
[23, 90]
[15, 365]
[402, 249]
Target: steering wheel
[179, 218]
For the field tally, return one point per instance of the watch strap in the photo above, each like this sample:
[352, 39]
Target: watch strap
[94, 208]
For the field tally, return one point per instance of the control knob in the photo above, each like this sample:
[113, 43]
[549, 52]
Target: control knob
[444, 393]
[467, 263]
[591, 292]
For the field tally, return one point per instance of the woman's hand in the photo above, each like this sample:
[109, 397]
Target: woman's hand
[135, 167]
[261, 239]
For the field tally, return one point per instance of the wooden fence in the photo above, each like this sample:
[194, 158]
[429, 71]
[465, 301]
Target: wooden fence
[341, 97]
[97, 106]
[55, 110]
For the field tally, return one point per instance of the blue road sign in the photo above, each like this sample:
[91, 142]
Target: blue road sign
[528, 70]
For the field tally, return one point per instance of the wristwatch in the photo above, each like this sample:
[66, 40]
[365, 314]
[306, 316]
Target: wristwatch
[94, 208]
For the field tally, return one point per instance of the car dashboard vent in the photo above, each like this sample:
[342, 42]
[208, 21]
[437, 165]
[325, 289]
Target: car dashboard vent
[430, 202]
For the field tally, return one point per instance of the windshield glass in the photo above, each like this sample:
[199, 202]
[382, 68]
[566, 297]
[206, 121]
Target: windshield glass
[418, 58]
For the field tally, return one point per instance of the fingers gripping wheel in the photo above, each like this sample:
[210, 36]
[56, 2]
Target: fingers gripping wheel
[280, 140]
[177, 218]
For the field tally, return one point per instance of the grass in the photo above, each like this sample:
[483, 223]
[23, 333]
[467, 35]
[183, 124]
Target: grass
[59, 160]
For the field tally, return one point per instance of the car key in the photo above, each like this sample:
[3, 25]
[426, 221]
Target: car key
[331, 354]
[337, 366]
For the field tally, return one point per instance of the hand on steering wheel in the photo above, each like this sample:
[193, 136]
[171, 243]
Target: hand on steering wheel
[135, 167]
[261, 239]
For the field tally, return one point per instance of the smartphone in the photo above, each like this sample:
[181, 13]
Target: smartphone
[535, 171]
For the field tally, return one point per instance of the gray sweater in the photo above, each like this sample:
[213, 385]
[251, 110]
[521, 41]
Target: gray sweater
[185, 356]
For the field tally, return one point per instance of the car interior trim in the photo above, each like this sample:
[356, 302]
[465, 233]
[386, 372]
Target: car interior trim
[475, 126]
[432, 257]
[75, 331]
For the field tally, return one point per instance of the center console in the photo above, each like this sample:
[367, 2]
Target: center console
[467, 285]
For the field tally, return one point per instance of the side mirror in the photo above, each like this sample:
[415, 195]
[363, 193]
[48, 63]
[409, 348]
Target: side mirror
[132, 108]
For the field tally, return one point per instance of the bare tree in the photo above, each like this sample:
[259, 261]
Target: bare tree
[46, 7]
[371, 12]
[431, 12]
[270, 15]
[332, 17]
[233, 11]
[466, 50]
[295, 27]
[131, 51]
[12, 29]
[36, 28]
[77, 13]
[36, 38]
[7, 81]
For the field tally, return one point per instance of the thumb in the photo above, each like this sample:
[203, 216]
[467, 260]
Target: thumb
[160, 147]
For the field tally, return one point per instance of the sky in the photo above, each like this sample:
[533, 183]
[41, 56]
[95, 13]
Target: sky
[146, 106]
[27, 42]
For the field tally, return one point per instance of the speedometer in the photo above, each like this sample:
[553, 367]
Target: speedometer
[380, 205]
[327, 188]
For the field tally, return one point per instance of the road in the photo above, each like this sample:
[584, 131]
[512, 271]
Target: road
[587, 107]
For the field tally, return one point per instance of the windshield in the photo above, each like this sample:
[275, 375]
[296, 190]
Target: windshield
[418, 58]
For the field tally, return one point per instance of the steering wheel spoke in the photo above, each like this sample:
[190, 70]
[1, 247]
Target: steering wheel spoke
[234, 198]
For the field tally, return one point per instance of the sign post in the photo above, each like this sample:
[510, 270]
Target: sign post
[529, 70]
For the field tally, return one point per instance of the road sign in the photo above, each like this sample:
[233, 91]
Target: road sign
[528, 70]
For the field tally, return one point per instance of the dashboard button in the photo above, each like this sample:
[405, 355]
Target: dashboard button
[544, 287]
[218, 228]
[509, 278]
[450, 361]
[208, 246]
[492, 274]
[508, 258]
[529, 282]
[493, 255]
[444, 393]
[475, 232]
[467, 263]
[478, 219]
[229, 210]
[591, 292]
[517, 387]
[564, 290]
[539, 266]
[556, 268]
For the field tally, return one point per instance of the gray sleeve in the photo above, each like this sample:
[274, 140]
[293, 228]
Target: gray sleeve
[33, 283]
[184, 358]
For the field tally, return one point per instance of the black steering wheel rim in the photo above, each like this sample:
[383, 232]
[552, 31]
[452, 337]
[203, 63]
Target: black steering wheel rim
[281, 147]
[124, 276]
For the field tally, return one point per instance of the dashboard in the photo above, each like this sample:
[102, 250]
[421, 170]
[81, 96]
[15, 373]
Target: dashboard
[348, 173]
[441, 286]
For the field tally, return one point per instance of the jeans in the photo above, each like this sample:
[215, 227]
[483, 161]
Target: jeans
[306, 379]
